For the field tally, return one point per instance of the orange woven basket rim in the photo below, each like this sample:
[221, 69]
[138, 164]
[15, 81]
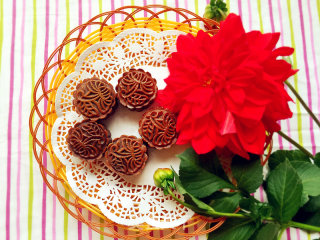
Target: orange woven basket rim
[44, 95]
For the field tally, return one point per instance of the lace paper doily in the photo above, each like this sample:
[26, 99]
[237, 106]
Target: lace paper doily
[124, 201]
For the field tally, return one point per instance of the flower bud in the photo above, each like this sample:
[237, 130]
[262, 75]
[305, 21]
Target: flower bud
[162, 176]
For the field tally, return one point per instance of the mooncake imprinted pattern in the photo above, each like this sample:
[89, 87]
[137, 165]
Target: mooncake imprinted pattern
[126, 155]
[157, 127]
[136, 89]
[94, 98]
[88, 140]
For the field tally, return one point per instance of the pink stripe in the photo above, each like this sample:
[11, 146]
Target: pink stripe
[250, 15]
[20, 118]
[154, 2]
[44, 190]
[314, 55]
[13, 35]
[89, 229]
[186, 230]
[80, 22]
[112, 8]
[261, 194]
[273, 30]
[240, 8]
[186, 3]
[208, 1]
[80, 12]
[54, 198]
[282, 44]
[195, 228]
[80, 228]
[271, 16]
[145, 3]
[116, 229]
[90, 12]
[305, 57]
[288, 234]
[298, 233]
[122, 15]
[177, 15]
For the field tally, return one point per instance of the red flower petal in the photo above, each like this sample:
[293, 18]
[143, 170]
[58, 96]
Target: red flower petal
[228, 88]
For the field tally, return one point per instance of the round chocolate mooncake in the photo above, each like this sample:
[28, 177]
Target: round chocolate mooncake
[88, 140]
[94, 98]
[126, 155]
[157, 127]
[136, 89]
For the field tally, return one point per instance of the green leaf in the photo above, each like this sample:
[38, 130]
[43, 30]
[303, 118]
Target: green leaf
[313, 204]
[284, 191]
[281, 155]
[311, 218]
[257, 210]
[198, 206]
[267, 231]
[225, 202]
[248, 173]
[234, 229]
[310, 177]
[310, 212]
[211, 163]
[317, 160]
[197, 180]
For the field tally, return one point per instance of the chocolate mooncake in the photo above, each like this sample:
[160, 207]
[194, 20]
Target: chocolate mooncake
[126, 155]
[136, 89]
[94, 98]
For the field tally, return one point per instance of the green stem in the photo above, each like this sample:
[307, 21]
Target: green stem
[303, 103]
[281, 233]
[179, 200]
[211, 213]
[293, 142]
[304, 226]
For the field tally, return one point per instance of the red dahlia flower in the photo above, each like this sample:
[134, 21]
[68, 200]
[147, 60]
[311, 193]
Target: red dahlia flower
[228, 89]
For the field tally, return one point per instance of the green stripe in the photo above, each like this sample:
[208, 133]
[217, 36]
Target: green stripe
[101, 229]
[318, 7]
[260, 15]
[228, 5]
[295, 77]
[100, 9]
[196, 8]
[65, 218]
[1, 30]
[165, 14]
[33, 66]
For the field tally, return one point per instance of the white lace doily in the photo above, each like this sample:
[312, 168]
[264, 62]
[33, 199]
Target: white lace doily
[127, 201]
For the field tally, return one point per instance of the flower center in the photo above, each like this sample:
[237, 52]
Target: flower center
[214, 80]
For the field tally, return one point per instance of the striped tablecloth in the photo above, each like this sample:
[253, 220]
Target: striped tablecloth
[31, 29]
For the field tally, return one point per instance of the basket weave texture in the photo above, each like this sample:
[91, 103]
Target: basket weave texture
[43, 116]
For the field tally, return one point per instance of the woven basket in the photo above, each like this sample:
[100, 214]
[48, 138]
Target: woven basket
[43, 116]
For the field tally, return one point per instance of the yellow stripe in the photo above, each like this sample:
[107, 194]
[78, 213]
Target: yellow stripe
[295, 77]
[260, 15]
[33, 64]
[228, 5]
[196, 8]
